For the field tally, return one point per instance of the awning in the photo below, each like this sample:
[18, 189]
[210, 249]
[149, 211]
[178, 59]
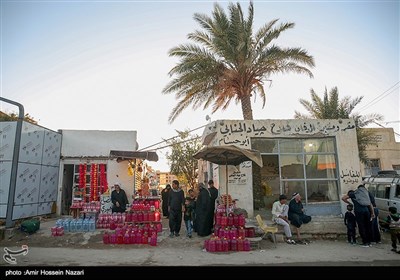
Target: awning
[127, 155]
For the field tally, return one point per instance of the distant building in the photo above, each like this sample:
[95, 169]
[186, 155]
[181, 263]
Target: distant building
[383, 156]
[165, 178]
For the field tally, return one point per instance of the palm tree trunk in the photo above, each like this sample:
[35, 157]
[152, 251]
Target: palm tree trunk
[257, 188]
[246, 107]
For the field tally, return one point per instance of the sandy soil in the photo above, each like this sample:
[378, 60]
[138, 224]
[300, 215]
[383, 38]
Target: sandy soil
[87, 249]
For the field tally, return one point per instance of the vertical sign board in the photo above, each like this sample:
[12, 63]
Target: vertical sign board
[105, 203]
[37, 173]
[7, 140]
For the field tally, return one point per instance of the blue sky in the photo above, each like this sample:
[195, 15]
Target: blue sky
[103, 64]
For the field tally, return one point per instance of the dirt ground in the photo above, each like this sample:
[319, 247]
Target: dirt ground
[87, 249]
[90, 240]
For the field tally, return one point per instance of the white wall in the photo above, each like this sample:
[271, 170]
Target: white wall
[96, 143]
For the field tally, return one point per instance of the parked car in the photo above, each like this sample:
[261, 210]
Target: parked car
[385, 187]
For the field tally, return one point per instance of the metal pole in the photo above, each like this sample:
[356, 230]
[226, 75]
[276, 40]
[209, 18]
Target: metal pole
[14, 166]
[134, 180]
[226, 182]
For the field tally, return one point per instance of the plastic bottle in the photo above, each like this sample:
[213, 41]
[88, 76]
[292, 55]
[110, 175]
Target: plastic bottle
[92, 225]
[85, 225]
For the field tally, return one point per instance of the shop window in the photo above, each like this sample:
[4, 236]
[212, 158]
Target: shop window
[320, 166]
[290, 146]
[265, 146]
[307, 166]
[292, 166]
[290, 187]
[326, 145]
[322, 191]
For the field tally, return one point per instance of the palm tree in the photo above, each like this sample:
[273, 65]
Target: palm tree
[330, 107]
[226, 61]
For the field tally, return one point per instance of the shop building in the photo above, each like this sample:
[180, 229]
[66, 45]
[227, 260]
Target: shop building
[91, 149]
[316, 158]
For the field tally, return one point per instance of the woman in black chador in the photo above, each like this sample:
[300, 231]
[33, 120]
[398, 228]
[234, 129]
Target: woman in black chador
[203, 211]
[164, 198]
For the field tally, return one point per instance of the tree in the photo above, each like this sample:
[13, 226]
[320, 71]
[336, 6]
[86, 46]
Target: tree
[330, 107]
[181, 160]
[226, 61]
[13, 117]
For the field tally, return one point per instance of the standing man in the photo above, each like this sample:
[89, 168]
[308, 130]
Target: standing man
[118, 199]
[213, 196]
[176, 205]
[364, 212]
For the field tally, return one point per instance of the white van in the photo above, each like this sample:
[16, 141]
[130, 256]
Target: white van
[385, 187]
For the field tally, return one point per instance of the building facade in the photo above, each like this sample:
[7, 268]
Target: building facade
[316, 158]
[385, 155]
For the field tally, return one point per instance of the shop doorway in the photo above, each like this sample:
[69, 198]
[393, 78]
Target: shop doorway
[270, 179]
[67, 183]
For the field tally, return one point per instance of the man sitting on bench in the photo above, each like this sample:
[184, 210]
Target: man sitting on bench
[280, 217]
[296, 214]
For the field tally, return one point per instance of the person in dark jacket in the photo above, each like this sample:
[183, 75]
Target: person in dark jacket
[350, 222]
[164, 198]
[376, 230]
[203, 211]
[213, 196]
[296, 214]
[176, 205]
[118, 199]
[188, 215]
[363, 211]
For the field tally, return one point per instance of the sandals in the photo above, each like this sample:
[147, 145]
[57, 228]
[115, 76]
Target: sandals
[303, 242]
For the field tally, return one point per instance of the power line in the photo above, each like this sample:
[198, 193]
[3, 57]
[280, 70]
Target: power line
[381, 96]
[169, 145]
[385, 127]
[166, 140]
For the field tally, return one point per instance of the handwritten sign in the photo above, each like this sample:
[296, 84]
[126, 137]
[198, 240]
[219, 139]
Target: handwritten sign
[350, 176]
[105, 204]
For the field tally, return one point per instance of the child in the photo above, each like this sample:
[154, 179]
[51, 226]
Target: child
[188, 215]
[350, 222]
[393, 223]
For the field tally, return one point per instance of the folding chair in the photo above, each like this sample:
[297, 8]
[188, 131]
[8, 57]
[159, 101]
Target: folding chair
[267, 230]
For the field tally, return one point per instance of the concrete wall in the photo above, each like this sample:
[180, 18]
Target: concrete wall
[240, 132]
[387, 149]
